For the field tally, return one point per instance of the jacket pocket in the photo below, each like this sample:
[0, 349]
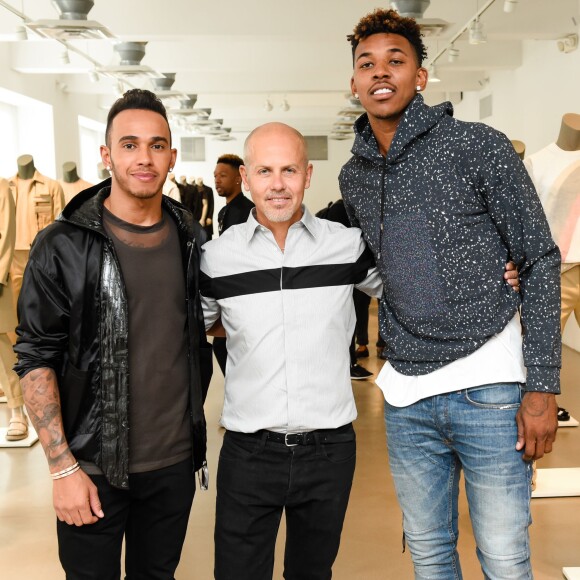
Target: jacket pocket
[413, 286]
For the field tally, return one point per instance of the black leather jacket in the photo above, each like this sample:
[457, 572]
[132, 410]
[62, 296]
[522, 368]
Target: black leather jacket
[73, 319]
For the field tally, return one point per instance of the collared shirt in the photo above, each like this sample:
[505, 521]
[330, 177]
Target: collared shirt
[289, 319]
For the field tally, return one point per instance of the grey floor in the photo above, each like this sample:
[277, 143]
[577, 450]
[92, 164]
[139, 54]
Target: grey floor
[371, 541]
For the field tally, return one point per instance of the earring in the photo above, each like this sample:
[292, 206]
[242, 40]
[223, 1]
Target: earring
[108, 168]
[356, 95]
[170, 169]
[418, 87]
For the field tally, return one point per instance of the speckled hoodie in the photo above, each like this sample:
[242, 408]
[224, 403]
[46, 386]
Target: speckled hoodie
[455, 203]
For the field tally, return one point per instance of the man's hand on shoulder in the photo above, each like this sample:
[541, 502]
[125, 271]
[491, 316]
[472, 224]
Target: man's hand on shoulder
[537, 421]
[76, 500]
[511, 276]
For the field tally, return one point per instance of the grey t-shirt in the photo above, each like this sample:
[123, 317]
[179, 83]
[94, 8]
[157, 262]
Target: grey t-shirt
[152, 269]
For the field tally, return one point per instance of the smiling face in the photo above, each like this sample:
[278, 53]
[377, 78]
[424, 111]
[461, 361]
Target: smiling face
[139, 154]
[386, 75]
[276, 172]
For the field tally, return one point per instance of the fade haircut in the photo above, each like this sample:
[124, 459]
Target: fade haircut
[231, 159]
[390, 22]
[135, 99]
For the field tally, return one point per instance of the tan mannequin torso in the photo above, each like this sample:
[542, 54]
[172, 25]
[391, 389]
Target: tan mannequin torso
[520, 148]
[569, 137]
[71, 182]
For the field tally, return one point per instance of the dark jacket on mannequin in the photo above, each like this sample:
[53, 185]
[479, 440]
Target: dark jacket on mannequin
[81, 330]
[442, 213]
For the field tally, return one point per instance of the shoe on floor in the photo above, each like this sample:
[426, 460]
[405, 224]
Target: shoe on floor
[17, 429]
[358, 373]
[362, 351]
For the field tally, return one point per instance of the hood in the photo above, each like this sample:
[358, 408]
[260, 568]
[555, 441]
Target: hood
[86, 208]
[417, 119]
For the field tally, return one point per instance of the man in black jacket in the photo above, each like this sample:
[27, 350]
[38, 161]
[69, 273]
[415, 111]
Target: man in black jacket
[228, 184]
[120, 326]
[467, 386]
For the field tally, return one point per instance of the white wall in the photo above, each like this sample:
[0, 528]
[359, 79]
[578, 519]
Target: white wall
[528, 105]
[324, 185]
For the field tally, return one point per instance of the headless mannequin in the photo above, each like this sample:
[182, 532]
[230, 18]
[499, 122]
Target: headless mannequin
[102, 172]
[39, 200]
[520, 148]
[71, 182]
[69, 172]
[569, 137]
[204, 204]
[26, 167]
[18, 423]
[569, 140]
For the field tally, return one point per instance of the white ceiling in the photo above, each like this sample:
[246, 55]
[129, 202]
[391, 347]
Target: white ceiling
[234, 55]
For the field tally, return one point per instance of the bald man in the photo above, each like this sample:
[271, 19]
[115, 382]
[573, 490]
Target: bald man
[282, 284]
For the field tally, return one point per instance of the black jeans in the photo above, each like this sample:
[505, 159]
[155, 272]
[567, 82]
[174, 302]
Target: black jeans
[362, 303]
[221, 352]
[256, 480]
[152, 516]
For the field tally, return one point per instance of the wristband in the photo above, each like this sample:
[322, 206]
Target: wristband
[66, 472]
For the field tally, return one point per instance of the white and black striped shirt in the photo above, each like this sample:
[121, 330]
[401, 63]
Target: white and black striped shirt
[289, 319]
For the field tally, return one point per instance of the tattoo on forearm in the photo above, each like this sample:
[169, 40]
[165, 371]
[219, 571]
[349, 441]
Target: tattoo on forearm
[40, 391]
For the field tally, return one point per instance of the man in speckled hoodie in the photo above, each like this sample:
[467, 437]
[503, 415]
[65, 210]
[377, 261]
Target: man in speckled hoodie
[468, 384]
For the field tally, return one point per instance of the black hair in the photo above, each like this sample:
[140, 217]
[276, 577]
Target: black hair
[135, 99]
[391, 22]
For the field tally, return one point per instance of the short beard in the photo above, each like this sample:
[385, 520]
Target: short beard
[279, 216]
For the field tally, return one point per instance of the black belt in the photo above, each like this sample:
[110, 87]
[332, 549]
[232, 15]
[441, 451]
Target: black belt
[342, 434]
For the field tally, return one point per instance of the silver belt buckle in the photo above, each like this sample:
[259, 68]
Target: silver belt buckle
[286, 440]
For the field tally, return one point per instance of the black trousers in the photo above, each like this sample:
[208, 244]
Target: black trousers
[362, 302]
[221, 352]
[257, 479]
[152, 516]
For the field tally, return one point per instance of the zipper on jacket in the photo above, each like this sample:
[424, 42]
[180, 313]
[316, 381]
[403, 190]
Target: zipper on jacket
[382, 224]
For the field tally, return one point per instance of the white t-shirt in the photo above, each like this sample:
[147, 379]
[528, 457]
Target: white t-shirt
[556, 175]
[499, 360]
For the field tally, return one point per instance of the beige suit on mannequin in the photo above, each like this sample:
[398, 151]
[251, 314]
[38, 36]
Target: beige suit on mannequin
[39, 200]
[569, 140]
[9, 383]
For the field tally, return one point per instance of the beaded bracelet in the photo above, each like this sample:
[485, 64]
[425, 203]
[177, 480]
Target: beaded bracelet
[66, 472]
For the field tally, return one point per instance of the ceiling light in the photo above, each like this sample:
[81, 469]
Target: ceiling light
[477, 33]
[284, 106]
[510, 5]
[93, 76]
[568, 43]
[452, 54]
[21, 33]
[64, 57]
[433, 78]
[268, 105]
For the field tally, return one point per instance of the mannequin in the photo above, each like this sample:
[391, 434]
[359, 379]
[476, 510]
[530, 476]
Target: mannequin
[206, 219]
[9, 382]
[39, 200]
[520, 148]
[102, 171]
[569, 137]
[555, 171]
[203, 196]
[170, 188]
[71, 183]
